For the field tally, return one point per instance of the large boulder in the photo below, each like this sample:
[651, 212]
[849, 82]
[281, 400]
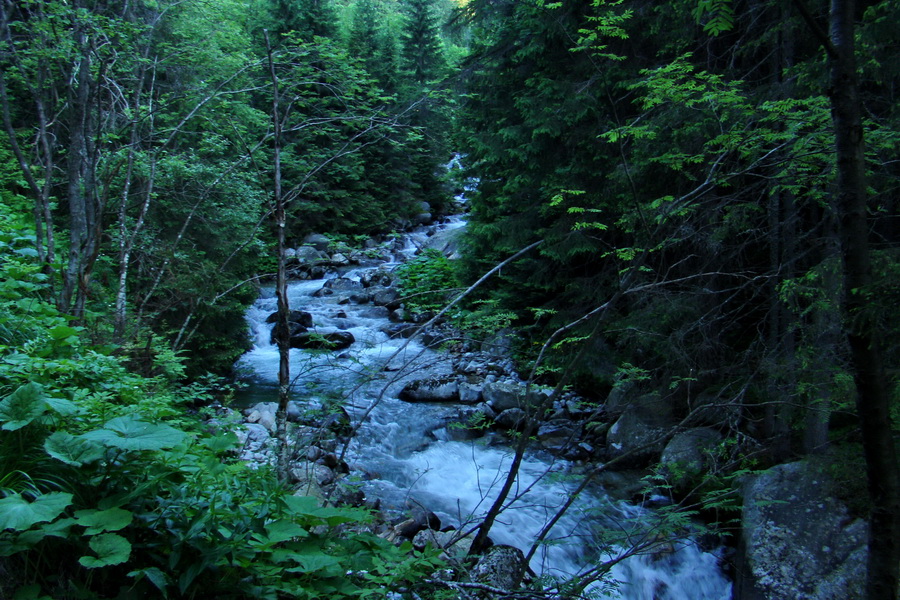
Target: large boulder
[439, 389]
[687, 454]
[300, 317]
[635, 438]
[500, 567]
[317, 241]
[502, 396]
[335, 340]
[798, 542]
[559, 435]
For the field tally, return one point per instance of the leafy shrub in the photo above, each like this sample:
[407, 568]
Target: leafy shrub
[426, 281]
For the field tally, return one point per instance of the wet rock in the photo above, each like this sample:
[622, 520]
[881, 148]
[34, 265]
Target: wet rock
[400, 330]
[342, 284]
[388, 297]
[377, 278]
[440, 389]
[317, 241]
[636, 438]
[505, 395]
[688, 453]
[799, 542]
[299, 317]
[559, 435]
[340, 260]
[500, 567]
[307, 254]
[469, 393]
[512, 418]
[374, 312]
[335, 340]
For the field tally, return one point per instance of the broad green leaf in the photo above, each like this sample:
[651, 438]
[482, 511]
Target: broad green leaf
[61, 332]
[130, 433]
[98, 521]
[111, 549]
[22, 406]
[61, 405]
[156, 577]
[283, 530]
[19, 514]
[221, 443]
[30, 592]
[307, 506]
[72, 450]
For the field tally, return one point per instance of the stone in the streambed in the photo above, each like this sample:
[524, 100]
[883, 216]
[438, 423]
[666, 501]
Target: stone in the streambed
[382, 296]
[400, 330]
[340, 260]
[688, 453]
[307, 254]
[301, 317]
[636, 438]
[501, 567]
[308, 478]
[798, 541]
[335, 340]
[452, 542]
[512, 418]
[374, 312]
[317, 241]
[342, 284]
[397, 315]
[559, 435]
[504, 395]
[469, 393]
[439, 389]
[378, 278]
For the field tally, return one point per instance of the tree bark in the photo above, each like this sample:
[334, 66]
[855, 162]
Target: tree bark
[282, 327]
[873, 399]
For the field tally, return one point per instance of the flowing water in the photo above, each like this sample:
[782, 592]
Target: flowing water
[407, 457]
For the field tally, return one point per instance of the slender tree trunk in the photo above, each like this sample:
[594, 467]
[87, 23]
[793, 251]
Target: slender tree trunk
[873, 399]
[282, 327]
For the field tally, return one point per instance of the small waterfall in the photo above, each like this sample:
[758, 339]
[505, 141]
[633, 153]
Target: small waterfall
[403, 463]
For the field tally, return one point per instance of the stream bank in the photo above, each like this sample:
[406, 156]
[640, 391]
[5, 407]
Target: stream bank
[413, 451]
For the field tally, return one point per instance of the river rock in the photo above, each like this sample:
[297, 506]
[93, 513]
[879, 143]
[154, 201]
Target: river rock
[688, 453]
[317, 241]
[378, 278]
[798, 542]
[501, 567]
[400, 330]
[559, 435]
[439, 389]
[339, 259]
[469, 393]
[335, 340]
[373, 312]
[300, 317]
[502, 395]
[636, 438]
[447, 242]
[307, 255]
[388, 297]
[512, 418]
[342, 285]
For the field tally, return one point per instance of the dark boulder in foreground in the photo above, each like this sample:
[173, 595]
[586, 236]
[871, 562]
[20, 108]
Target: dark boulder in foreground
[336, 340]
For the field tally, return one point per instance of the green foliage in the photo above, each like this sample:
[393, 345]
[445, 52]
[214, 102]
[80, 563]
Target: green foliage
[105, 483]
[426, 281]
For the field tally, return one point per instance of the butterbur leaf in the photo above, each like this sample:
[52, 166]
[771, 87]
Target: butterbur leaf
[72, 450]
[61, 332]
[98, 521]
[221, 443]
[19, 514]
[31, 591]
[22, 406]
[111, 549]
[130, 433]
[283, 530]
[61, 405]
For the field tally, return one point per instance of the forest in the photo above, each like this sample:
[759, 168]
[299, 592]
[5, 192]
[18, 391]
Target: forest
[674, 245]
